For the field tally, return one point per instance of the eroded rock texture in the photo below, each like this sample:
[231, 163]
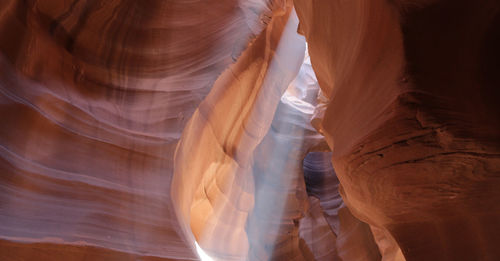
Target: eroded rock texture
[353, 239]
[94, 97]
[134, 130]
[413, 118]
[213, 187]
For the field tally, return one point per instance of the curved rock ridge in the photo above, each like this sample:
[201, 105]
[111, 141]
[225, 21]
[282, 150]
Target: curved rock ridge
[94, 96]
[214, 187]
[413, 118]
[352, 239]
[142, 130]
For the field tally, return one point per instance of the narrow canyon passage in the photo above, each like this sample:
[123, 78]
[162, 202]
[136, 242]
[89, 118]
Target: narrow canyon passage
[320, 130]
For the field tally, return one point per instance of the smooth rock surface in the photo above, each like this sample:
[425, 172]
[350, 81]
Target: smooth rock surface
[94, 96]
[413, 118]
[137, 130]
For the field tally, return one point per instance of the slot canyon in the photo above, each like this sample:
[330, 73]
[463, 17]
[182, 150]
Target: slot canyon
[328, 130]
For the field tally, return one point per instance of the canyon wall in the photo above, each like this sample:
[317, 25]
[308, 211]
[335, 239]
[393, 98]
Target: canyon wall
[134, 130]
[413, 118]
[94, 96]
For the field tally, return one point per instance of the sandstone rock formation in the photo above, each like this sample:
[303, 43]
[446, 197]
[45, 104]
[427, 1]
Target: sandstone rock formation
[94, 96]
[138, 130]
[413, 118]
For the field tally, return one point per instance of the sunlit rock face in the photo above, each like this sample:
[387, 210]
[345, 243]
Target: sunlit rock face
[213, 188]
[187, 130]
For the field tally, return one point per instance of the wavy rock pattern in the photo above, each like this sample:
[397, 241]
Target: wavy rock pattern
[413, 118]
[353, 238]
[134, 130]
[94, 97]
[214, 188]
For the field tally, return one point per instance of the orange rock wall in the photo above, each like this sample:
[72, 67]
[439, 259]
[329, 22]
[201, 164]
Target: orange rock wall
[412, 118]
[131, 129]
